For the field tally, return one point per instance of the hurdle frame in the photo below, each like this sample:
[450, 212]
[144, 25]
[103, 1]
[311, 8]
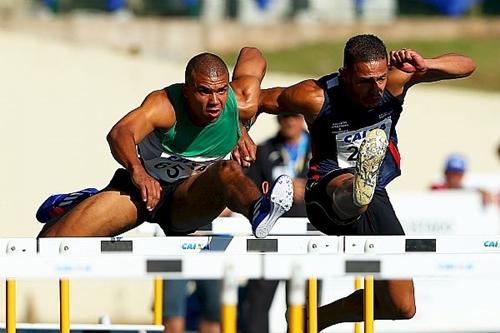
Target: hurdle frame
[369, 256]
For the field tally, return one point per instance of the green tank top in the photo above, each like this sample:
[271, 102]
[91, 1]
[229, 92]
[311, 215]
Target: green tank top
[215, 139]
[186, 149]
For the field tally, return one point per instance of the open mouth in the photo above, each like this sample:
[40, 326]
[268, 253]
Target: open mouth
[213, 113]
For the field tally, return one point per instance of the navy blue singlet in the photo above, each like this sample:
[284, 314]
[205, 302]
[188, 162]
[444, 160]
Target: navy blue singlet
[341, 126]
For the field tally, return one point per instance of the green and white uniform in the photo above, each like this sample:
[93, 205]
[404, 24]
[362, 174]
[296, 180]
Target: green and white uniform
[187, 149]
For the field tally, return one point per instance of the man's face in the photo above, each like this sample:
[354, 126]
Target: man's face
[291, 126]
[206, 96]
[366, 81]
[454, 179]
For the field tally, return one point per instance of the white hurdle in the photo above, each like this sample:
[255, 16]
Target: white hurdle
[229, 258]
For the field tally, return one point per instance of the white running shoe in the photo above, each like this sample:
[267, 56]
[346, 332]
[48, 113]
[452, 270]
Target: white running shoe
[276, 202]
[370, 157]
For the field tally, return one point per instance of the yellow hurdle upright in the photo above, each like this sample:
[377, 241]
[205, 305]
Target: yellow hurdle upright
[11, 305]
[229, 301]
[358, 284]
[312, 305]
[368, 304]
[64, 320]
[158, 301]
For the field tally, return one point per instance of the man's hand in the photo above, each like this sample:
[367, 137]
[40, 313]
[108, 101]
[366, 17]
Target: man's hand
[408, 61]
[245, 151]
[150, 188]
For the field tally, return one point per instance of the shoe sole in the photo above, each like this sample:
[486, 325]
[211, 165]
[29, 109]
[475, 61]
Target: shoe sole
[370, 158]
[281, 198]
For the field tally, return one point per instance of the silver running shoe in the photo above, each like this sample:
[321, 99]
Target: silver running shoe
[276, 202]
[370, 157]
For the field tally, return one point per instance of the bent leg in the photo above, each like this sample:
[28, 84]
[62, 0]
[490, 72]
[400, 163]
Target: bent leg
[105, 214]
[394, 299]
[340, 190]
[201, 198]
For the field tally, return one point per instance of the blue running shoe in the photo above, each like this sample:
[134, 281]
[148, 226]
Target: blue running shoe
[59, 204]
[274, 203]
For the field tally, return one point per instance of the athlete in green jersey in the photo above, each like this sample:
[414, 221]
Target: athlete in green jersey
[182, 178]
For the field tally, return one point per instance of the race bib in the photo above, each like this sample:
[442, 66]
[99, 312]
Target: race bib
[348, 142]
[170, 168]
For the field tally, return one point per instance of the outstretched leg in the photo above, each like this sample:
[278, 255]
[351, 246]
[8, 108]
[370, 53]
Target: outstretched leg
[349, 204]
[394, 299]
[105, 214]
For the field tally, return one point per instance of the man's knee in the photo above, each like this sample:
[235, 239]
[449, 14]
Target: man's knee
[405, 307]
[402, 306]
[396, 299]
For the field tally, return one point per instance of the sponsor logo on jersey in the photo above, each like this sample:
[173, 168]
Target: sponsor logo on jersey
[343, 125]
[357, 136]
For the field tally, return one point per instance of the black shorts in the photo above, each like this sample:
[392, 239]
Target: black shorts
[122, 181]
[379, 218]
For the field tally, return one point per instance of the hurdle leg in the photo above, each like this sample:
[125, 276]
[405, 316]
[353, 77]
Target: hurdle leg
[297, 300]
[368, 304]
[158, 301]
[358, 284]
[312, 305]
[229, 301]
[11, 305]
[64, 320]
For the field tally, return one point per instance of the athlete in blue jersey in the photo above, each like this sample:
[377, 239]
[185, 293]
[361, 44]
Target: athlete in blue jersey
[352, 117]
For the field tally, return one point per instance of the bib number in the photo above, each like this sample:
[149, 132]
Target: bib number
[348, 143]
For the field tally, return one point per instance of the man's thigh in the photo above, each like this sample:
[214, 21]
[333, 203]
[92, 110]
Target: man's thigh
[197, 201]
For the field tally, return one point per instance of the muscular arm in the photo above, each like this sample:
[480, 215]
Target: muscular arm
[248, 73]
[410, 68]
[155, 112]
[305, 98]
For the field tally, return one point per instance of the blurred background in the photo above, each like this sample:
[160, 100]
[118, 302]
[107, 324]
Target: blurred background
[70, 69]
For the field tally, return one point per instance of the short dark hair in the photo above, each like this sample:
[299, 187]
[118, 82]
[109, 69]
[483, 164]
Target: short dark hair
[364, 48]
[205, 63]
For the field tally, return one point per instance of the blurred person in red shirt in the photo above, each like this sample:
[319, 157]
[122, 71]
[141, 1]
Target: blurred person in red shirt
[454, 174]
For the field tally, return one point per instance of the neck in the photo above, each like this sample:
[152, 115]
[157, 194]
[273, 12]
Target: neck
[293, 140]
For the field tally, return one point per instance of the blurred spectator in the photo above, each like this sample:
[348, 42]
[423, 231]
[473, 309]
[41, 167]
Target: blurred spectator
[175, 306]
[286, 153]
[454, 172]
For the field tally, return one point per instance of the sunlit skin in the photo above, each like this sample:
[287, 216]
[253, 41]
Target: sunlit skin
[366, 81]
[206, 97]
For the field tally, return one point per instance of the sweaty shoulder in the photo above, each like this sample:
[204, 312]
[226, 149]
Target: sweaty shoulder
[159, 109]
[306, 97]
